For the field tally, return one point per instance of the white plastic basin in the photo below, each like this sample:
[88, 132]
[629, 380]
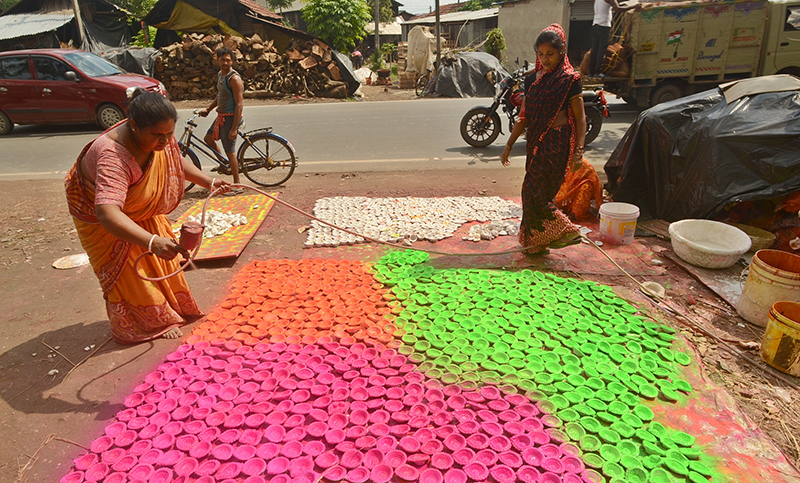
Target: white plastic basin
[708, 244]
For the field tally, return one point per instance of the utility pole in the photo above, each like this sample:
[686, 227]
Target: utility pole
[437, 30]
[77, 10]
[377, 28]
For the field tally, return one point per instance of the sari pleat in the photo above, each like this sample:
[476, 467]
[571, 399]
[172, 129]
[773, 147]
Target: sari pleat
[138, 310]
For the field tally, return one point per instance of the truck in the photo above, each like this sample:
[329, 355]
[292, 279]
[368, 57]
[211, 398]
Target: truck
[664, 51]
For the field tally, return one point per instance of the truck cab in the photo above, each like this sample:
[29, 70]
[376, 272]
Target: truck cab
[781, 52]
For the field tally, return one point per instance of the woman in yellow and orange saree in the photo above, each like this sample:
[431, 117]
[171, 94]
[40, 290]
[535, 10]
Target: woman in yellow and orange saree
[119, 192]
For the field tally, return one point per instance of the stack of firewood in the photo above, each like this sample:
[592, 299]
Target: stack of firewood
[188, 68]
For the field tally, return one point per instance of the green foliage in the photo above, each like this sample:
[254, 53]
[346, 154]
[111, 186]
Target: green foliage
[376, 61]
[139, 39]
[387, 15]
[138, 8]
[346, 30]
[476, 5]
[495, 43]
[5, 4]
[279, 5]
[388, 49]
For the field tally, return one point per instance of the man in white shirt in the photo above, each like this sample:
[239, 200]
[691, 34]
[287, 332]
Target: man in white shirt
[601, 28]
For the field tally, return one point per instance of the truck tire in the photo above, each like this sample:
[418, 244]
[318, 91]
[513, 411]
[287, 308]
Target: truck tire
[795, 71]
[665, 93]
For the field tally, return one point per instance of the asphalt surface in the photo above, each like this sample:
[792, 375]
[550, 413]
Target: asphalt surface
[341, 137]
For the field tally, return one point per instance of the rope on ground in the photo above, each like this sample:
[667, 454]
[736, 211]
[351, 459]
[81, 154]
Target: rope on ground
[665, 305]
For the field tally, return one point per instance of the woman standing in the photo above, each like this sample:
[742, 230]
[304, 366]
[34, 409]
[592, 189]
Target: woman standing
[119, 192]
[555, 127]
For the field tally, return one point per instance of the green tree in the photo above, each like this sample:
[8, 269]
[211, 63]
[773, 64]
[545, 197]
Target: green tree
[279, 5]
[495, 43]
[137, 8]
[5, 4]
[346, 30]
[476, 4]
[387, 15]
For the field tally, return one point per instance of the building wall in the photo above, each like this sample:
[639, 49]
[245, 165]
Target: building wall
[522, 21]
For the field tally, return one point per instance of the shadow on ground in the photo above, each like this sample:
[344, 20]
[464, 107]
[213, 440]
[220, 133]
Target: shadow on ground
[30, 384]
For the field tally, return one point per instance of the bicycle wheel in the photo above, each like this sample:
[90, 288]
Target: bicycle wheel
[421, 83]
[193, 157]
[267, 159]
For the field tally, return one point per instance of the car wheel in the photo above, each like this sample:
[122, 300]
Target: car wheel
[6, 126]
[108, 115]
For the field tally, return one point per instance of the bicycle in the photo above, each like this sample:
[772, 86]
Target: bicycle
[262, 155]
[422, 86]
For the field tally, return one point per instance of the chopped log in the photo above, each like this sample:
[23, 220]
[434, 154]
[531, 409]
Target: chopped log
[335, 73]
[262, 94]
[294, 55]
[188, 68]
[309, 62]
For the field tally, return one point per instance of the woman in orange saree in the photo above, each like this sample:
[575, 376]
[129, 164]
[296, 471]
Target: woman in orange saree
[580, 187]
[119, 192]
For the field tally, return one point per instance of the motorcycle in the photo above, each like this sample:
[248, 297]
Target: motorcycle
[481, 125]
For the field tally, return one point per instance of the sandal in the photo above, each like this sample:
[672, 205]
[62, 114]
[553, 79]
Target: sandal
[564, 242]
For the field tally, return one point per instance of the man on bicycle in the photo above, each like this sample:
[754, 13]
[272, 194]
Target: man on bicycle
[230, 106]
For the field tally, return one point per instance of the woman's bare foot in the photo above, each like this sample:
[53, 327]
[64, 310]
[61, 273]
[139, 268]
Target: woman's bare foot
[173, 333]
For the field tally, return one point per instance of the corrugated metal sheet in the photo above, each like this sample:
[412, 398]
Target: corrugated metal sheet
[393, 28]
[582, 10]
[455, 16]
[23, 24]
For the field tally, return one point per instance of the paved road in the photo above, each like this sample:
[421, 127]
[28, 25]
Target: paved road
[331, 137]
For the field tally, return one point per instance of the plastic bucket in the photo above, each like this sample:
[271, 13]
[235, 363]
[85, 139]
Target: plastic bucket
[618, 222]
[781, 345]
[774, 276]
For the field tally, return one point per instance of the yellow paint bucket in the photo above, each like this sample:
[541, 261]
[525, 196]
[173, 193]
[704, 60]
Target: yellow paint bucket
[774, 276]
[780, 347]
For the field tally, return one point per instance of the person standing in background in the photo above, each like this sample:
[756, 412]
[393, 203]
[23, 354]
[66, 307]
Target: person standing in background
[601, 29]
[230, 106]
[357, 59]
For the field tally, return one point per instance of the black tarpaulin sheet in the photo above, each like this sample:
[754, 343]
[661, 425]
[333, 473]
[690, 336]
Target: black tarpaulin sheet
[106, 31]
[139, 60]
[465, 76]
[691, 157]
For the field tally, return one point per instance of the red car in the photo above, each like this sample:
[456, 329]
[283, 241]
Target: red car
[52, 86]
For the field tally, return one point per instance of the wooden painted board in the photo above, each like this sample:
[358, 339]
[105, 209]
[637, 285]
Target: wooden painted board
[231, 243]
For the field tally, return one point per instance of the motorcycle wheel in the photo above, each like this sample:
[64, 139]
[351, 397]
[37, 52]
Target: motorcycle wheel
[474, 135]
[594, 121]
